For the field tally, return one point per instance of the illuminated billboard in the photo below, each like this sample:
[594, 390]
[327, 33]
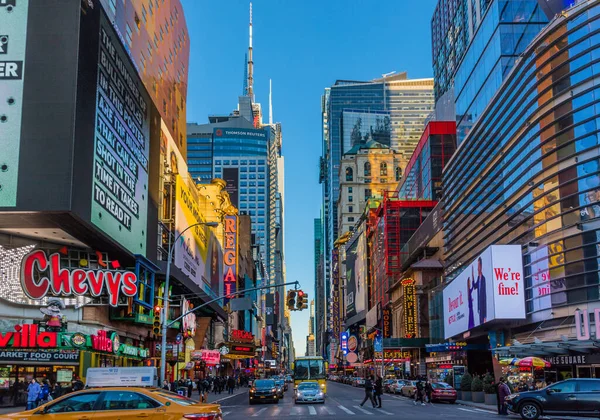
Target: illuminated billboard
[491, 287]
[121, 146]
[13, 36]
[230, 255]
[356, 274]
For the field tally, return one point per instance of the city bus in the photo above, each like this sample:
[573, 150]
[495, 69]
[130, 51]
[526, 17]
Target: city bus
[310, 369]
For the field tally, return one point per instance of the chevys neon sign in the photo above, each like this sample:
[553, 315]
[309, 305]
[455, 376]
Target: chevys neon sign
[230, 256]
[42, 275]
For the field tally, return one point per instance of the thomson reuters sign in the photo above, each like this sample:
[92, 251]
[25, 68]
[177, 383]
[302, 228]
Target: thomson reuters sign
[43, 275]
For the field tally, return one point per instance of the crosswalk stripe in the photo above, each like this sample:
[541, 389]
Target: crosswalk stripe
[312, 410]
[341, 407]
[258, 413]
[387, 413]
[276, 412]
[363, 410]
[328, 411]
[482, 410]
[227, 412]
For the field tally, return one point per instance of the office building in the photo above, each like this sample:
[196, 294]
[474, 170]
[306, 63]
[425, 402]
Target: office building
[366, 171]
[474, 46]
[528, 174]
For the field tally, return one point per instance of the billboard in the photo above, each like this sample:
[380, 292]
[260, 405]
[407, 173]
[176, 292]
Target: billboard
[356, 274]
[491, 287]
[13, 36]
[230, 255]
[121, 146]
[231, 177]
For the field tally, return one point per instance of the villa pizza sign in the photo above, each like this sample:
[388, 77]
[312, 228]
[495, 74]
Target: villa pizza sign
[42, 275]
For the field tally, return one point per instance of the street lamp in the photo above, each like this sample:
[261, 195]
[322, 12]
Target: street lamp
[163, 347]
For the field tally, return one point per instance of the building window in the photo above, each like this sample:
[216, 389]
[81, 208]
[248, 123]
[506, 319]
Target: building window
[129, 35]
[350, 209]
[398, 173]
[349, 174]
[383, 169]
[367, 168]
[350, 199]
[349, 190]
[367, 193]
[351, 219]
[113, 5]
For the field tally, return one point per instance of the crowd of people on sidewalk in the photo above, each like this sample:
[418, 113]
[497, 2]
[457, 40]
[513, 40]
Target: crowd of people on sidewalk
[41, 392]
[215, 384]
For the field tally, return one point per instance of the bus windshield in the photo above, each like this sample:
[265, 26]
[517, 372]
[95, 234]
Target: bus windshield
[309, 369]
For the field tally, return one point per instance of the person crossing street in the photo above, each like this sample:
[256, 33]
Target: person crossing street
[368, 391]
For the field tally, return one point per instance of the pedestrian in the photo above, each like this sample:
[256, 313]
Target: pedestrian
[428, 390]
[44, 396]
[190, 388]
[166, 385]
[368, 391]
[419, 392]
[33, 394]
[503, 392]
[378, 391]
[56, 390]
[230, 385]
[497, 391]
[77, 384]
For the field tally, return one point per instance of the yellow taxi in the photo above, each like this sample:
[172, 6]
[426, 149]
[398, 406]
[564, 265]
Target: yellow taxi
[121, 403]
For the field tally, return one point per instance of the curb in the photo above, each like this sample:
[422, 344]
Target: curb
[467, 404]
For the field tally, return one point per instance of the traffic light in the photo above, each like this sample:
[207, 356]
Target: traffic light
[157, 325]
[301, 301]
[291, 300]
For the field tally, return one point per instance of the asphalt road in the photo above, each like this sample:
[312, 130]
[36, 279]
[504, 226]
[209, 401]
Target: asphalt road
[343, 402]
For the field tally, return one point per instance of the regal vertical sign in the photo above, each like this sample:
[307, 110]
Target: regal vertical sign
[122, 146]
[230, 257]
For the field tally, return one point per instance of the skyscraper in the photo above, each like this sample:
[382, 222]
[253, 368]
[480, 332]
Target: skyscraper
[320, 301]
[475, 45]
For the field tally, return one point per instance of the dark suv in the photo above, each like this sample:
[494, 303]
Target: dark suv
[573, 397]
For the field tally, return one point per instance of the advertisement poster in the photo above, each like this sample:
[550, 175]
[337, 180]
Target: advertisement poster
[197, 245]
[491, 287]
[356, 274]
[13, 37]
[231, 177]
[122, 146]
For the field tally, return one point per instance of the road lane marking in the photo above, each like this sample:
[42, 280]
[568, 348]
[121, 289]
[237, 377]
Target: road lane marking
[276, 412]
[466, 409]
[258, 413]
[341, 407]
[363, 410]
[483, 411]
[331, 413]
[387, 413]
[225, 413]
[312, 410]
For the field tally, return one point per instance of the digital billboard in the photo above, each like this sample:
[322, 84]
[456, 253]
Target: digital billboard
[13, 37]
[196, 245]
[230, 256]
[356, 274]
[121, 146]
[491, 287]
[231, 177]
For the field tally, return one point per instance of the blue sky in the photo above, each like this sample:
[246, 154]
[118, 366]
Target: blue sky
[303, 46]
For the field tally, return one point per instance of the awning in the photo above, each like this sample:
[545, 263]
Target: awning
[548, 348]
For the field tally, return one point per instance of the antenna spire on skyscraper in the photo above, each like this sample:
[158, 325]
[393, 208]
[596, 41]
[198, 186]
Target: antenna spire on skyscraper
[270, 104]
[250, 90]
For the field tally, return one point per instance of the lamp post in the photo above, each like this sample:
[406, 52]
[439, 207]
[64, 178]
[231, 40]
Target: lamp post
[164, 321]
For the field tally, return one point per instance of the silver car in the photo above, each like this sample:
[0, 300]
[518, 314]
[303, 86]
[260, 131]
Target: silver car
[309, 392]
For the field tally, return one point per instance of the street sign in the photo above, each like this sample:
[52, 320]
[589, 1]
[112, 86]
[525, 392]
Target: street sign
[378, 342]
[179, 338]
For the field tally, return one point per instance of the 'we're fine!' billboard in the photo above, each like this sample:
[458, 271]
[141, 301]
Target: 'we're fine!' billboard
[491, 287]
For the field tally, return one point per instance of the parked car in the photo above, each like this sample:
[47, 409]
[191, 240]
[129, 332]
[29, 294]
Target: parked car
[263, 390]
[359, 382]
[409, 389]
[573, 397]
[441, 391]
[386, 385]
[396, 387]
[309, 392]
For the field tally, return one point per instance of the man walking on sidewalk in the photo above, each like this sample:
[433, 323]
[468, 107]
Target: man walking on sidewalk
[378, 391]
[368, 391]
[230, 384]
